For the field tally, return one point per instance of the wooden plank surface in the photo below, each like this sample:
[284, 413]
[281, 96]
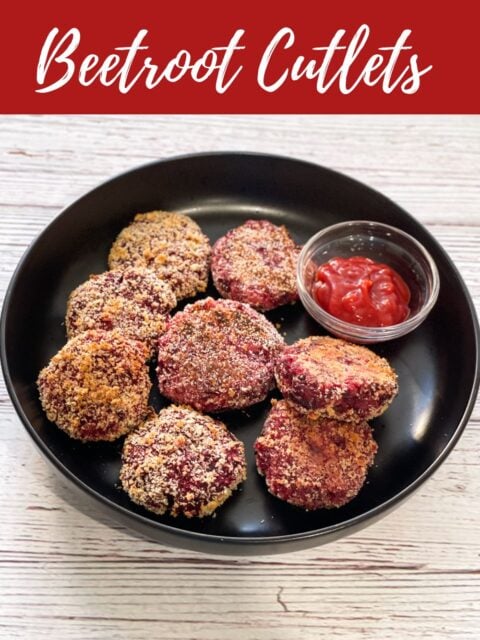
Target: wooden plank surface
[67, 571]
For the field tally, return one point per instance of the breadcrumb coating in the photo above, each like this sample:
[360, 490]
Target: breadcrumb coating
[313, 463]
[182, 462]
[256, 263]
[217, 355]
[132, 300]
[335, 378]
[97, 386]
[171, 244]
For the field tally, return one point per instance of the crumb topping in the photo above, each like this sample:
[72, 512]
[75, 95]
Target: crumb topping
[132, 300]
[336, 378]
[313, 463]
[218, 354]
[182, 462]
[97, 386]
[256, 263]
[171, 244]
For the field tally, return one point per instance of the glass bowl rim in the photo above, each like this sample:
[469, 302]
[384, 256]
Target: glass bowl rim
[360, 331]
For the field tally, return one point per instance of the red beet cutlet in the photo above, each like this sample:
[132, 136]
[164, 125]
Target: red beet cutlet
[97, 386]
[182, 462]
[170, 244]
[132, 300]
[256, 263]
[336, 378]
[218, 355]
[313, 463]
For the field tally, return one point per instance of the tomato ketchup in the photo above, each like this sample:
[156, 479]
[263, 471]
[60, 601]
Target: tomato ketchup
[362, 291]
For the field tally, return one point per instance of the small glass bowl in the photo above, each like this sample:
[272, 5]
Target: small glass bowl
[381, 243]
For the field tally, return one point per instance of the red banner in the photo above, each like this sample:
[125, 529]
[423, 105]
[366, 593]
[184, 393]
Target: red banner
[250, 57]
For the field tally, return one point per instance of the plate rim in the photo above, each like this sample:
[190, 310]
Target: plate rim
[197, 536]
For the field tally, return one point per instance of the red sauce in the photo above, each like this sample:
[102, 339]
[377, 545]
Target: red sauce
[362, 291]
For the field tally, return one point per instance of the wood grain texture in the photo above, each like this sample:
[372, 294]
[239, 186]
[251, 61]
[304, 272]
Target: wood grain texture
[66, 571]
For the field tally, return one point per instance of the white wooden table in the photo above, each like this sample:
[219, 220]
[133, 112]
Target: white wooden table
[67, 572]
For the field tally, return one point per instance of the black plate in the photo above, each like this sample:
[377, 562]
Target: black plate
[437, 364]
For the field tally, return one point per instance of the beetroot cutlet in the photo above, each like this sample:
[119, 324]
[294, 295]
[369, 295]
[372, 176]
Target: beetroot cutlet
[170, 244]
[97, 386]
[182, 462]
[256, 263]
[218, 355]
[336, 378]
[313, 463]
[132, 300]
